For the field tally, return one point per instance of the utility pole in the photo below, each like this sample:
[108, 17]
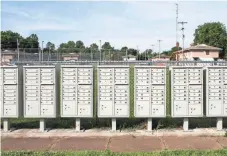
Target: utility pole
[126, 55]
[159, 43]
[152, 50]
[177, 25]
[137, 52]
[183, 36]
[18, 51]
[100, 57]
[42, 50]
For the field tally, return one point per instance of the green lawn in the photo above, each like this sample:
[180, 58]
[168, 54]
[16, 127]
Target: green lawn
[109, 153]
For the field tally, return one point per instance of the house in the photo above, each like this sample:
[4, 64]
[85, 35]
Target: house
[200, 52]
[129, 58]
[70, 57]
[8, 56]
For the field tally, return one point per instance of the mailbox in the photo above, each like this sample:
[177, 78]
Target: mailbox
[187, 91]
[150, 91]
[10, 91]
[39, 91]
[76, 91]
[113, 91]
[216, 92]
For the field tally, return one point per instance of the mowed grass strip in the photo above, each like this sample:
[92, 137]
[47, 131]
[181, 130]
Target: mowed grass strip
[222, 152]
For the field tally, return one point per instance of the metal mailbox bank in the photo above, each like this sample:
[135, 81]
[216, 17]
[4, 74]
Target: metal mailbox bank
[39, 93]
[187, 92]
[10, 94]
[113, 92]
[150, 92]
[77, 92]
[216, 93]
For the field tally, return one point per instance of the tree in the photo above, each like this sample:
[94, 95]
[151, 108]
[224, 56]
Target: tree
[9, 39]
[50, 46]
[132, 51]
[107, 46]
[212, 34]
[80, 45]
[94, 46]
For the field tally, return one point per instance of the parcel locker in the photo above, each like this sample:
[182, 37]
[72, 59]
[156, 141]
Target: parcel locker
[216, 91]
[113, 91]
[39, 91]
[187, 91]
[10, 91]
[76, 91]
[150, 91]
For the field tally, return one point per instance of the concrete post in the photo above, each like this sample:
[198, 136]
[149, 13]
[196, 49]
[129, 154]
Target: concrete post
[42, 125]
[114, 124]
[219, 124]
[77, 124]
[5, 125]
[185, 124]
[149, 124]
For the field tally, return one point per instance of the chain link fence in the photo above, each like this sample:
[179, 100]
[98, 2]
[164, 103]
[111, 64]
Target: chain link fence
[86, 56]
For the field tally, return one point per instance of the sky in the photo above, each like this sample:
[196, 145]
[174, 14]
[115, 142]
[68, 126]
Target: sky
[133, 24]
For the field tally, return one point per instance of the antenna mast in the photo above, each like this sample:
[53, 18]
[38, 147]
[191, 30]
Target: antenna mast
[183, 36]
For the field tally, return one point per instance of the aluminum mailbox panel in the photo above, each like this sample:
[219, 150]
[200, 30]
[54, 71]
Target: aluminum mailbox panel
[76, 91]
[150, 91]
[187, 91]
[216, 91]
[39, 91]
[113, 91]
[10, 92]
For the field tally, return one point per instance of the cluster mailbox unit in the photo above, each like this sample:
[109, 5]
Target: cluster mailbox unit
[187, 92]
[150, 92]
[113, 92]
[39, 93]
[77, 92]
[10, 94]
[216, 93]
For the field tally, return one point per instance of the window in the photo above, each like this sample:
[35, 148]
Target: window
[207, 52]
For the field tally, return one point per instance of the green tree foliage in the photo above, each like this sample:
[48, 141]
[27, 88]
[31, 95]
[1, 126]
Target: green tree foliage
[213, 34]
[9, 39]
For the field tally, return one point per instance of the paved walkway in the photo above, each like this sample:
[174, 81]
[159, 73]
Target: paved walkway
[124, 141]
[127, 143]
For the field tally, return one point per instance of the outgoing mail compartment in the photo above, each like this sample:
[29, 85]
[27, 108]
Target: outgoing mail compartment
[32, 70]
[9, 70]
[122, 102]
[46, 70]
[121, 70]
[83, 98]
[10, 87]
[83, 70]
[179, 70]
[105, 98]
[140, 70]
[69, 70]
[105, 70]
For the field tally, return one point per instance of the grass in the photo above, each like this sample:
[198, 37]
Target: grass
[222, 152]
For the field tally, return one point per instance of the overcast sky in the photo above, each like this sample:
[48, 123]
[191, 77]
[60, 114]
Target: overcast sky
[129, 24]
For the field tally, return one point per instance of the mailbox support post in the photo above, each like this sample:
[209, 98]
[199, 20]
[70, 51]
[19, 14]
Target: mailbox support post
[219, 124]
[77, 124]
[5, 125]
[185, 124]
[114, 124]
[42, 125]
[149, 124]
